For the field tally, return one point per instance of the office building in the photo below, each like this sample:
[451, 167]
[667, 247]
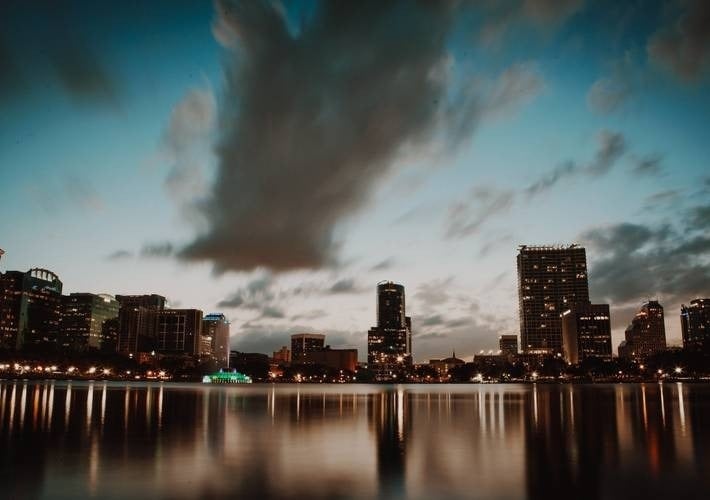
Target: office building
[178, 332]
[389, 345]
[282, 356]
[508, 345]
[337, 359]
[302, 343]
[551, 279]
[695, 325]
[586, 332]
[30, 308]
[646, 335]
[83, 320]
[214, 339]
[138, 321]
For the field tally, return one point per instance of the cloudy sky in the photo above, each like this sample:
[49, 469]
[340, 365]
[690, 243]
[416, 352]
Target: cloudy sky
[274, 161]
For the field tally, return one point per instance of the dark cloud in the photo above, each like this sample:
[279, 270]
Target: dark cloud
[384, 265]
[502, 18]
[309, 122]
[272, 312]
[662, 198]
[310, 315]
[608, 93]
[632, 262]
[163, 249]
[684, 47]
[346, 285]
[488, 246]
[611, 147]
[256, 294]
[120, 255]
[58, 48]
[466, 217]
[649, 165]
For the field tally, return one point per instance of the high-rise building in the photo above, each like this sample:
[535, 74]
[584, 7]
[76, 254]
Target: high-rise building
[646, 335]
[508, 345]
[138, 322]
[30, 308]
[586, 332]
[551, 279]
[389, 346]
[214, 340]
[301, 343]
[695, 324]
[179, 332]
[283, 355]
[84, 315]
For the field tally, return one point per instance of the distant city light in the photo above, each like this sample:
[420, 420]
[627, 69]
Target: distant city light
[678, 369]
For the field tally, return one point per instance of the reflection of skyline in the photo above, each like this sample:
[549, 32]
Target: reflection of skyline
[492, 441]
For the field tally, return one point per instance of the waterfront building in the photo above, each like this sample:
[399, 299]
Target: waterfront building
[214, 338]
[646, 335]
[282, 356]
[695, 325]
[442, 366]
[302, 343]
[338, 359]
[389, 345]
[83, 320]
[586, 332]
[30, 308]
[179, 332]
[551, 279]
[138, 322]
[508, 345]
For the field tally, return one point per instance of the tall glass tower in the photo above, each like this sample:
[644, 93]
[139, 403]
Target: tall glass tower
[389, 345]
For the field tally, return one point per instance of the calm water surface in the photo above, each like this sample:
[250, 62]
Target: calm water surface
[117, 440]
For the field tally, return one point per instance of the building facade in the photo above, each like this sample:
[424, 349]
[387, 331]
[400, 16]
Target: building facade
[83, 322]
[282, 356]
[30, 308]
[586, 332]
[389, 344]
[303, 343]
[646, 335]
[214, 338]
[179, 332]
[338, 359]
[508, 345]
[138, 322]
[695, 325]
[551, 279]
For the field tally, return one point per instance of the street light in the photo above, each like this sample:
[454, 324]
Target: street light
[678, 369]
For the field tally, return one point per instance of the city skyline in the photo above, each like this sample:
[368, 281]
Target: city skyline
[122, 169]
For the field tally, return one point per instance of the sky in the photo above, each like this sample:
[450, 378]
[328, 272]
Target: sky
[275, 160]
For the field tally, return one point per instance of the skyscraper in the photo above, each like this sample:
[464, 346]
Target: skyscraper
[214, 340]
[508, 345]
[178, 332]
[550, 280]
[389, 348]
[138, 320]
[586, 332]
[301, 343]
[695, 324]
[83, 320]
[646, 335]
[30, 308]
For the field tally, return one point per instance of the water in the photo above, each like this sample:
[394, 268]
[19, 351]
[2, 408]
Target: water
[117, 440]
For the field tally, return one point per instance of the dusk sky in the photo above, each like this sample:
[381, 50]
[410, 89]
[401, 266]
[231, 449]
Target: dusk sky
[275, 160]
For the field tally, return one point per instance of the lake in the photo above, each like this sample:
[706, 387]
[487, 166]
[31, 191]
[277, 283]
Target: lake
[168, 440]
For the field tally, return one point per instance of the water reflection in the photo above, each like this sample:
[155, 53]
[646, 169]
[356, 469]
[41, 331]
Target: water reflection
[69, 440]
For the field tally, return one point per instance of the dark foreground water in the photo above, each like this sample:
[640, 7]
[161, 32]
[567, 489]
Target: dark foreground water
[74, 440]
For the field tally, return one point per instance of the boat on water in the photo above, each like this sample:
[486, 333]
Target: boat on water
[226, 377]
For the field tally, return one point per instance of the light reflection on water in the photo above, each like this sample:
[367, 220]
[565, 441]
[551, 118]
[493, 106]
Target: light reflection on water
[116, 440]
